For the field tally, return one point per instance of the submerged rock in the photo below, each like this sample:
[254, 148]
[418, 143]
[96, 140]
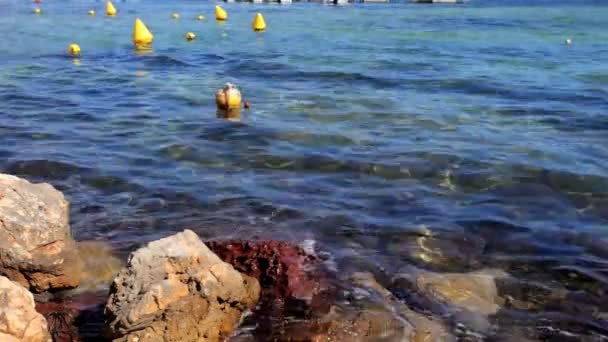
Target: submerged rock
[36, 248]
[467, 298]
[423, 328]
[439, 250]
[474, 291]
[19, 321]
[176, 289]
[371, 324]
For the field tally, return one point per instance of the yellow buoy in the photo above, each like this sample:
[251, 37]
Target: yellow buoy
[37, 10]
[200, 18]
[91, 12]
[258, 23]
[74, 49]
[110, 9]
[220, 14]
[142, 37]
[190, 36]
[175, 16]
[228, 97]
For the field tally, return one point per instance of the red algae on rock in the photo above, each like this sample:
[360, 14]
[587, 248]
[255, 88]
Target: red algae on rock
[296, 290]
[279, 266]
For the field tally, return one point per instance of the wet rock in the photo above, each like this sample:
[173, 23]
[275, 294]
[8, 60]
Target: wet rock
[176, 289]
[363, 310]
[474, 291]
[424, 329]
[283, 268]
[529, 296]
[467, 298]
[36, 248]
[294, 286]
[19, 321]
[372, 324]
[79, 317]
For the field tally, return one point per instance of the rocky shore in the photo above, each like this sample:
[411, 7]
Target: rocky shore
[179, 288]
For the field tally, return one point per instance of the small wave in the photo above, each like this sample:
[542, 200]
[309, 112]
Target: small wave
[19, 99]
[163, 61]
[44, 169]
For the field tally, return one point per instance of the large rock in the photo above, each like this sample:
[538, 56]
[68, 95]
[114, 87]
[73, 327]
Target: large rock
[36, 248]
[176, 289]
[19, 321]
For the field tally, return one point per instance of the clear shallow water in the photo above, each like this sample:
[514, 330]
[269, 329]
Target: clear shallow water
[370, 125]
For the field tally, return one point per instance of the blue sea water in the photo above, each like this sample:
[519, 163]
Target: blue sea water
[370, 125]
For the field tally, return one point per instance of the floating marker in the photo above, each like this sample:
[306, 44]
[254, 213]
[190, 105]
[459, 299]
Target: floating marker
[258, 23]
[200, 18]
[142, 37]
[74, 49]
[190, 36]
[568, 41]
[175, 16]
[228, 97]
[91, 12]
[37, 1]
[37, 10]
[220, 14]
[110, 9]
[228, 101]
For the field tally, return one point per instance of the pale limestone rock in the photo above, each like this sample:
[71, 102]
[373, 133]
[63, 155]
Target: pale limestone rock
[19, 320]
[36, 248]
[176, 289]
